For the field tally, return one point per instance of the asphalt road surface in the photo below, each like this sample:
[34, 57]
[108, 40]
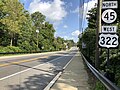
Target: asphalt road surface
[33, 71]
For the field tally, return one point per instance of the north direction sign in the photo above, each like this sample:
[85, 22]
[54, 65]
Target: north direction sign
[109, 4]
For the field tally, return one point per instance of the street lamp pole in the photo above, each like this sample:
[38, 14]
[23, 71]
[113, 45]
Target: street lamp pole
[37, 31]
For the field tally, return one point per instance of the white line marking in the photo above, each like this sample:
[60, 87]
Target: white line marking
[58, 75]
[30, 68]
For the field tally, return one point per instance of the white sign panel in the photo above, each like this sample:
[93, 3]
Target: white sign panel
[109, 4]
[83, 45]
[108, 40]
[109, 16]
[109, 29]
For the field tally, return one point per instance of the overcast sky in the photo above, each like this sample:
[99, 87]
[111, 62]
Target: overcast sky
[63, 14]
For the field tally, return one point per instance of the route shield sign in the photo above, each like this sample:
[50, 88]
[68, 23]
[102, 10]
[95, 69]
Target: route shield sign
[108, 40]
[109, 16]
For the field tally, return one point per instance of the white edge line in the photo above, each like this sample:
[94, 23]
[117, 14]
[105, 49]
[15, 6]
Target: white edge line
[57, 76]
[29, 69]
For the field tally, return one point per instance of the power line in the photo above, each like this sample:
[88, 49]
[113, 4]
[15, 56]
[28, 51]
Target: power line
[85, 14]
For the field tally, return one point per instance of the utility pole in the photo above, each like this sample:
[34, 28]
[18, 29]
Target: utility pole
[99, 9]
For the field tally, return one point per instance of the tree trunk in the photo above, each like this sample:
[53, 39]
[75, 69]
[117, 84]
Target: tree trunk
[11, 41]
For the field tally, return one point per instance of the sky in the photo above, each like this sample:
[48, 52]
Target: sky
[65, 15]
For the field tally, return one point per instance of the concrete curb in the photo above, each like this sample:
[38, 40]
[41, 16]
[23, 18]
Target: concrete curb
[57, 76]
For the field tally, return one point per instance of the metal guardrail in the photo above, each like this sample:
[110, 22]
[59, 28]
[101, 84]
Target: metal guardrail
[108, 84]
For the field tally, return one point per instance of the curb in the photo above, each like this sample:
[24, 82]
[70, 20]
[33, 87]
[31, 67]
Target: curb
[52, 82]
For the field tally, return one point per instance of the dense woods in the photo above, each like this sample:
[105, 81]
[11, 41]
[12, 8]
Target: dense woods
[21, 31]
[88, 39]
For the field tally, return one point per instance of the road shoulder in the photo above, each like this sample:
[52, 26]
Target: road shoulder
[74, 77]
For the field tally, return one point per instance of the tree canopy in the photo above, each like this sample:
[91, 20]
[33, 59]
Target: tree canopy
[22, 31]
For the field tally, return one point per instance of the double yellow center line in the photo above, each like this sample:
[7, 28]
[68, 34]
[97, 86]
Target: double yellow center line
[22, 61]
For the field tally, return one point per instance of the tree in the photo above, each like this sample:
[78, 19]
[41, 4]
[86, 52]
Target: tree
[92, 17]
[26, 40]
[18, 29]
[88, 37]
[3, 35]
[38, 19]
[13, 17]
[70, 43]
[61, 45]
[46, 31]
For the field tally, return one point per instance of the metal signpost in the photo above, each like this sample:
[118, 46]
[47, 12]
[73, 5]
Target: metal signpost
[108, 37]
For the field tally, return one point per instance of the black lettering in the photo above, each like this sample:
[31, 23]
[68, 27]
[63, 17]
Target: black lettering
[109, 4]
[112, 15]
[103, 4]
[110, 29]
[108, 42]
[115, 39]
[104, 29]
[113, 29]
[103, 41]
[114, 4]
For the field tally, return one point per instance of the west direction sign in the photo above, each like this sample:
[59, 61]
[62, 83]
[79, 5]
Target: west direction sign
[109, 29]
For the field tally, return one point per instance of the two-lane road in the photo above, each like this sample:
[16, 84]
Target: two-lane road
[32, 72]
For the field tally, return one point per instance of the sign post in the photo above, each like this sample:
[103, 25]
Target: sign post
[108, 38]
[99, 6]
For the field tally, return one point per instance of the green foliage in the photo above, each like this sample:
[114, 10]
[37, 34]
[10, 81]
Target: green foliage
[10, 49]
[99, 86]
[38, 19]
[12, 16]
[88, 37]
[18, 30]
[61, 45]
[70, 43]
[92, 18]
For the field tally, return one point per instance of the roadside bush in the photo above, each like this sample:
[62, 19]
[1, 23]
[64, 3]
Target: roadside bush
[10, 49]
[99, 86]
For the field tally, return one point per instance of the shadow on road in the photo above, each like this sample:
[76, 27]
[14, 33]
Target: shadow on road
[36, 82]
